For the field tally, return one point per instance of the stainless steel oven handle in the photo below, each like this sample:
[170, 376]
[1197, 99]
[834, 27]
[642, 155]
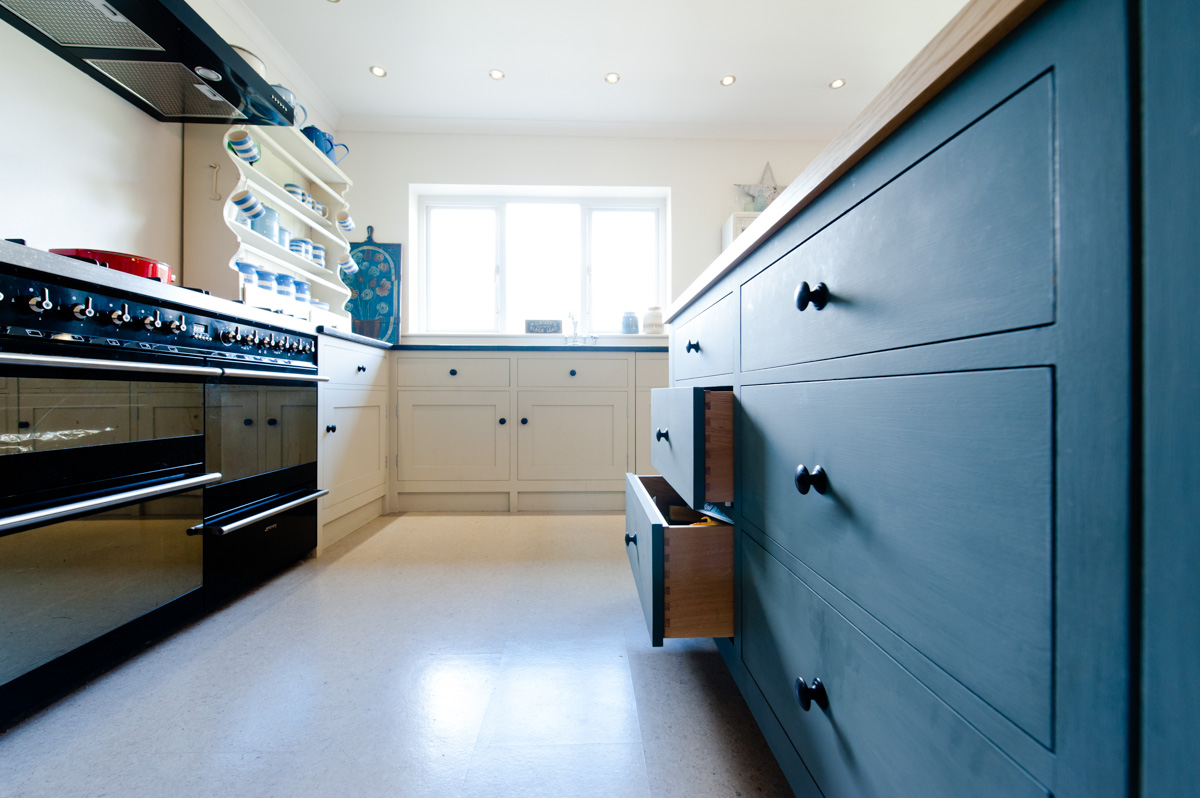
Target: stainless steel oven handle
[91, 505]
[107, 365]
[272, 375]
[254, 519]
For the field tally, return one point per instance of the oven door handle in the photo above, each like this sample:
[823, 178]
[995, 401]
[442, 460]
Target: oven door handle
[225, 529]
[104, 502]
[58, 361]
[271, 375]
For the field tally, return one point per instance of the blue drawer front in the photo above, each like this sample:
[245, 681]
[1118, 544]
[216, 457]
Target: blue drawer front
[960, 244]
[937, 519]
[879, 733]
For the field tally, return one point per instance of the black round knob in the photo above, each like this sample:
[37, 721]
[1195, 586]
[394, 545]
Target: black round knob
[503, 421]
[453, 372]
[23, 425]
[816, 479]
[572, 372]
[660, 434]
[272, 422]
[809, 694]
[362, 368]
[630, 539]
[693, 346]
[818, 297]
[249, 422]
[331, 428]
[524, 421]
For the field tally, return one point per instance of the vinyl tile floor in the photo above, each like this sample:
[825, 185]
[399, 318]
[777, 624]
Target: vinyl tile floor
[422, 655]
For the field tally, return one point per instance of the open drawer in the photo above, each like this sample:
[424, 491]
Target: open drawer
[684, 573]
[692, 444]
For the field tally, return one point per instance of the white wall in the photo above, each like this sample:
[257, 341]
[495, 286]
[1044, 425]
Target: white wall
[80, 166]
[700, 173]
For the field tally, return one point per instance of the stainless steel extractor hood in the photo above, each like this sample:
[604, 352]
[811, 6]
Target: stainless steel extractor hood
[157, 54]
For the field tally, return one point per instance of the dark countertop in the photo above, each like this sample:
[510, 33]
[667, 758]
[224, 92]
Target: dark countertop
[528, 348]
[362, 339]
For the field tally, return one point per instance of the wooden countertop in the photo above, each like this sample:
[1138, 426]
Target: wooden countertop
[973, 31]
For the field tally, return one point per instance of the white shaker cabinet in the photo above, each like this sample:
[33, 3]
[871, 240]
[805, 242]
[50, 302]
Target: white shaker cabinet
[352, 436]
[518, 429]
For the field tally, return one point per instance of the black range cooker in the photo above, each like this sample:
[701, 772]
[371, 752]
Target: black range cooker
[158, 454]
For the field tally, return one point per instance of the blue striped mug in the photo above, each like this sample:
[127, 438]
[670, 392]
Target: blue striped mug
[243, 146]
[247, 203]
[344, 221]
[296, 191]
[302, 247]
[348, 265]
[318, 254]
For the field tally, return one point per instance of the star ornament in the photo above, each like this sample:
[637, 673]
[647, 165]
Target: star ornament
[764, 192]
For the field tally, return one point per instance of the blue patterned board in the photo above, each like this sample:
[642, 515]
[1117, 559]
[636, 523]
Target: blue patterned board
[374, 302]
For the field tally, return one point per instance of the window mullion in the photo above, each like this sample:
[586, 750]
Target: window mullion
[501, 269]
[585, 289]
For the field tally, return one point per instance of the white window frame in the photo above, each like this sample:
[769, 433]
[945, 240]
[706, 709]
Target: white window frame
[588, 204]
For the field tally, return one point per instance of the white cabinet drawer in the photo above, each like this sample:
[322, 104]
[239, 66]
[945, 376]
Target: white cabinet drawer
[351, 365]
[460, 372]
[572, 372]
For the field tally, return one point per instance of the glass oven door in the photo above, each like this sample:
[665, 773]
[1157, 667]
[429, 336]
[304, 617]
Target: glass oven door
[262, 433]
[64, 584]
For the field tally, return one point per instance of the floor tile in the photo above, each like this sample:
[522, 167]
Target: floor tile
[554, 771]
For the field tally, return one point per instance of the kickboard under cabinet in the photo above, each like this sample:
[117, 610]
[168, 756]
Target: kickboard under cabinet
[684, 573]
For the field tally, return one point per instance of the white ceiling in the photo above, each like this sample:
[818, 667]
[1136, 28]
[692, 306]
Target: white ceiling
[670, 55]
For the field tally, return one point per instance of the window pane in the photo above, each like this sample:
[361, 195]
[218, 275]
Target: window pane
[461, 294]
[543, 249]
[624, 251]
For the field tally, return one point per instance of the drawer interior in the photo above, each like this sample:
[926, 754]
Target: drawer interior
[697, 566]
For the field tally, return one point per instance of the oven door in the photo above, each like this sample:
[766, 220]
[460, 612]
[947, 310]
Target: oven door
[101, 470]
[262, 516]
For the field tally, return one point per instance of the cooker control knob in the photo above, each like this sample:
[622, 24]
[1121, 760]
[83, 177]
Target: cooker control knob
[84, 311]
[229, 336]
[119, 317]
[250, 338]
[153, 322]
[294, 346]
[269, 342]
[42, 303]
[176, 327]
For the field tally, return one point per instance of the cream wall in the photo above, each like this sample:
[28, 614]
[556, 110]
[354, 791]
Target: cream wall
[80, 166]
[699, 172]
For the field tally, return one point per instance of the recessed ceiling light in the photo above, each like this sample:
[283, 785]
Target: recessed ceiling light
[837, 84]
[728, 80]
[378, 71]
[611, 77]
[335, 1]
[496, 74]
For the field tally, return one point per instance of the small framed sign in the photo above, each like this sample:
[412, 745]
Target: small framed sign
[544, 326]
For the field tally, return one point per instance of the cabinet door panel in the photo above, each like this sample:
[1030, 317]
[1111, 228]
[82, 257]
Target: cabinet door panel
[573, 435]
[354, 458]
[936, 517]
[454, 435]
